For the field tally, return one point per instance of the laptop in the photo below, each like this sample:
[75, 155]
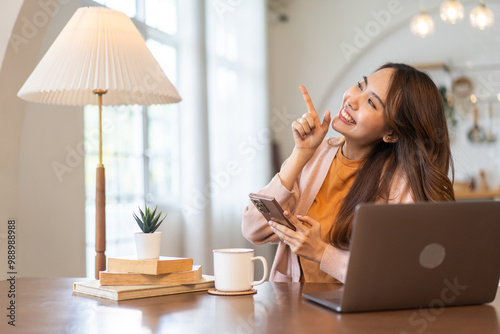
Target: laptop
[429, 255]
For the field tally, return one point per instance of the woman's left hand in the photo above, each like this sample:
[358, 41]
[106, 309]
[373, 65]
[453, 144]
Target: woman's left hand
[306, 241]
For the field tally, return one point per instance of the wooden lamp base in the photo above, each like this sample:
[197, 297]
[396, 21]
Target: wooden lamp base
[100, 228]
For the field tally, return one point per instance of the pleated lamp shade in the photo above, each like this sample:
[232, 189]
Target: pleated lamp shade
[99, 49]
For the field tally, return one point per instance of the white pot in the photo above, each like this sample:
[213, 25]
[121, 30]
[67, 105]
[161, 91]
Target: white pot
[148, 245]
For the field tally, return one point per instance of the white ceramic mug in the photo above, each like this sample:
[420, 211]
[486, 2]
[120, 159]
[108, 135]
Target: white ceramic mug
[233, 269]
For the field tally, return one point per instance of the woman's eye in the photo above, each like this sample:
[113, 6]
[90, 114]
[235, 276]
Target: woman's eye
[359, 85]
[371, 103]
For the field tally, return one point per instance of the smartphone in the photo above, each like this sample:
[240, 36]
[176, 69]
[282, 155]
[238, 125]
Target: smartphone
[270, 209]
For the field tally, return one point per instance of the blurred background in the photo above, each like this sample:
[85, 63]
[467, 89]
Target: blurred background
[237, 64]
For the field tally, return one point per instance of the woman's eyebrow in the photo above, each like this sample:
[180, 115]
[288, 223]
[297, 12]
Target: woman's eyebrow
[373, 93]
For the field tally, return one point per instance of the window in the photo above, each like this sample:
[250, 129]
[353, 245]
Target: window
[140, 144]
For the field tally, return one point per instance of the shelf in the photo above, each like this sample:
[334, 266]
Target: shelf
[477, 195]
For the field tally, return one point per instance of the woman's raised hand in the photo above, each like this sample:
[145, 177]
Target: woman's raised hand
[309, 131]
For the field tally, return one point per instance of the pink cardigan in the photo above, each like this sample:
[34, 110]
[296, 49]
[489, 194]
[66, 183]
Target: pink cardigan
[298, 201]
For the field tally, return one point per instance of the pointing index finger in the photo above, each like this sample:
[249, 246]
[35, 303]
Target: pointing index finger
[308, 101]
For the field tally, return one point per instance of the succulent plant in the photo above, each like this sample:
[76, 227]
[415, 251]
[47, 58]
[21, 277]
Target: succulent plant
[149, 220]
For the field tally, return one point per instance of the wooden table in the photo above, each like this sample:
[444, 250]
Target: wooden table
[48, 305]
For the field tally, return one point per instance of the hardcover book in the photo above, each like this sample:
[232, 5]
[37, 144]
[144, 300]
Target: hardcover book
[126, 292]
[163, 265]
[116, 278]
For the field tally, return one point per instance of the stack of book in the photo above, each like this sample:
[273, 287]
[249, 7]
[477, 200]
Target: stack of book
[130, 278]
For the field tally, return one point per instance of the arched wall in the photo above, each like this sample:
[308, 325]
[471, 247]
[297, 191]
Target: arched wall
[310, 49]
[49, 214]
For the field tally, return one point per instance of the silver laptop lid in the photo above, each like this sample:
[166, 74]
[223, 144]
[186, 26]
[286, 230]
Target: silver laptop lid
[423, 255]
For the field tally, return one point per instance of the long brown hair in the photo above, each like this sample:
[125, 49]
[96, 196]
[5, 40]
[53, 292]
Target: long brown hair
[415, 111]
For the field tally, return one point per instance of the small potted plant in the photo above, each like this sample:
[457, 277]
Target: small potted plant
[148, 241]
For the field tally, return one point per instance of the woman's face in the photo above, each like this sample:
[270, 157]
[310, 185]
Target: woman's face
[362, 117]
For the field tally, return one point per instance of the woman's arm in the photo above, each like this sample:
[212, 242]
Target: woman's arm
[255, 227]
[334, 262]
[308, 132]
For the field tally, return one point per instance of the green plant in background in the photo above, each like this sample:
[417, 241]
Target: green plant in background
[449, 110]
[149, 220]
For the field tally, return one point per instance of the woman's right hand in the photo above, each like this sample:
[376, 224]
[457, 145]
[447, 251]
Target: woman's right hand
[309, 131]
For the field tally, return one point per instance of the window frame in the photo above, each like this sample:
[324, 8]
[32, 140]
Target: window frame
[172, 203]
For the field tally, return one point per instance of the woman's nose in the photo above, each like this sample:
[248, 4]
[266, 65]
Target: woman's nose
[353, 101]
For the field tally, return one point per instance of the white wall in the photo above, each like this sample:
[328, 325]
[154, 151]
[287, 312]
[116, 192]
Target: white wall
[10, 11]
[49, 213]
[9, 137]
[307, 49]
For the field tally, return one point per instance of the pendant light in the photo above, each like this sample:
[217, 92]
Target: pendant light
[422, 24]
[451, 11]
[481, 17]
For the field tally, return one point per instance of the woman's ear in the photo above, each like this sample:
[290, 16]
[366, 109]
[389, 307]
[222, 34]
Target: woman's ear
[390, 137]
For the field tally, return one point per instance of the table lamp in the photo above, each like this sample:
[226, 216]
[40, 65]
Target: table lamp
[99, 58]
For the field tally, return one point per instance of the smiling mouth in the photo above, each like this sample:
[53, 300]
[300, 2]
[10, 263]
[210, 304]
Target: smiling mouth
[344, 115]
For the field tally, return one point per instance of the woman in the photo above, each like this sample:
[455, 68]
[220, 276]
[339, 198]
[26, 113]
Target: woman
[395, 149]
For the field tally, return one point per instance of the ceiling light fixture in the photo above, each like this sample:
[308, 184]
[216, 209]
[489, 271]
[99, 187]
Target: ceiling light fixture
[451, 11]
[422, 25]
[482, 17]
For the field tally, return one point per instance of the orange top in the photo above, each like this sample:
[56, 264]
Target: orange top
[325, 207]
